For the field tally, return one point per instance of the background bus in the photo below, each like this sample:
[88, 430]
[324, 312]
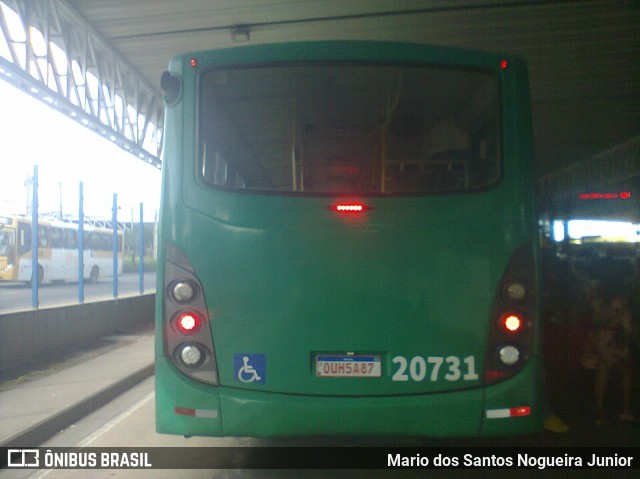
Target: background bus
[348, 243]
[57, 250]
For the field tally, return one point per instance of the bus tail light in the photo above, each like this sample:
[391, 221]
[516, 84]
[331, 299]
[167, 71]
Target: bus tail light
[187, 321]
[509, 412]
[349, 207]
[511, 322]
[511, 336]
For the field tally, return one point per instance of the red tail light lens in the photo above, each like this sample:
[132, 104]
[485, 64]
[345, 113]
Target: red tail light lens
[520, 411]
[348, 207]
[511, 322]
[188, 323]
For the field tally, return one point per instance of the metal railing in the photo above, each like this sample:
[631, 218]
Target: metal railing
[52, 246]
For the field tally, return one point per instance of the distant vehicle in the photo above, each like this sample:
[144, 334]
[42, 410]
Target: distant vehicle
[57, 251]
[347, 243]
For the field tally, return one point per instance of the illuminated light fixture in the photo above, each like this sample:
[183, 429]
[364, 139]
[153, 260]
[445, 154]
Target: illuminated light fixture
[241, 33]
[508, 412]
[511, 322]
[504, 64]
[349, 207]
[188, 323]
[623, 195]
[193, 62]
[520, 411]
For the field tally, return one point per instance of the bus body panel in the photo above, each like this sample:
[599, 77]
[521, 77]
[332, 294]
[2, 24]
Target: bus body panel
[9, 266]
[62, 265]
[411, 282]
[230, 412]
[393, 284]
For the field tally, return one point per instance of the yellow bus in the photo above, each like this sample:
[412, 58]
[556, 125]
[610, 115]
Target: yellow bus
[57, 250]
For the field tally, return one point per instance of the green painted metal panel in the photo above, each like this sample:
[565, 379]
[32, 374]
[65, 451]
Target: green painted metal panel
[410, 281]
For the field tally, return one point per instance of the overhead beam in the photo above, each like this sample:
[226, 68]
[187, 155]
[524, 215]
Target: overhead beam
[615, 165]
[602, 186]
[51, 52]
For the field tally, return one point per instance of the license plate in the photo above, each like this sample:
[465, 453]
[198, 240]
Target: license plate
[348, 366]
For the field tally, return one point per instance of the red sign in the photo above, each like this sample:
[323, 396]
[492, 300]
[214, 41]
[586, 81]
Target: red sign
[623, 195]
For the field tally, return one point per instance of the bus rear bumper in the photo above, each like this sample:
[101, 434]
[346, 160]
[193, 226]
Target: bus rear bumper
[188, 408]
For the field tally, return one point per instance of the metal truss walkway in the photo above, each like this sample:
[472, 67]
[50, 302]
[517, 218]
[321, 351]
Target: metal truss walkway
[611, 166]
[612, 174]
[51, 52]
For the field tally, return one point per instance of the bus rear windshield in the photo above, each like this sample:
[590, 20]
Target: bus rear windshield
[372, 129]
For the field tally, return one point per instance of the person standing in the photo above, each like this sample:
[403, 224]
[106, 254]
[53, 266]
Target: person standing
[614, 338]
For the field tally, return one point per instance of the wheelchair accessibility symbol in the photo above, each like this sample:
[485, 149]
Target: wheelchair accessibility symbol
[250, 368]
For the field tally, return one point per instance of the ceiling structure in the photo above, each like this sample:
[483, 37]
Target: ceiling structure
[583, 57]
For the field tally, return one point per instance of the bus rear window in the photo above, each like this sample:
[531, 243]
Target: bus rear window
[349, 128]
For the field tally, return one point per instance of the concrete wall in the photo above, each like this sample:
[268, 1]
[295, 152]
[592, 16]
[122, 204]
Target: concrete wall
[28, 336]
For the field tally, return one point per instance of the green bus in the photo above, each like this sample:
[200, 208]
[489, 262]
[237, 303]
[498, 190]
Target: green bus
[347, 243]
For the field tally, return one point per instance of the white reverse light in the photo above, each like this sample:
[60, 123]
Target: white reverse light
[509, 355]
[516, 291]
[182, 291]
[191, 355]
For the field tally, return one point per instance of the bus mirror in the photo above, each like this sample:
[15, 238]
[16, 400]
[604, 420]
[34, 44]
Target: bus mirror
[170, 85]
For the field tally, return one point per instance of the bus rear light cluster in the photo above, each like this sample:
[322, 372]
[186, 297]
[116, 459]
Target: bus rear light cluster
[511, 337]
[188, 333]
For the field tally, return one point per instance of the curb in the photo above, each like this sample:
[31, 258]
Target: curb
[39, 433]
